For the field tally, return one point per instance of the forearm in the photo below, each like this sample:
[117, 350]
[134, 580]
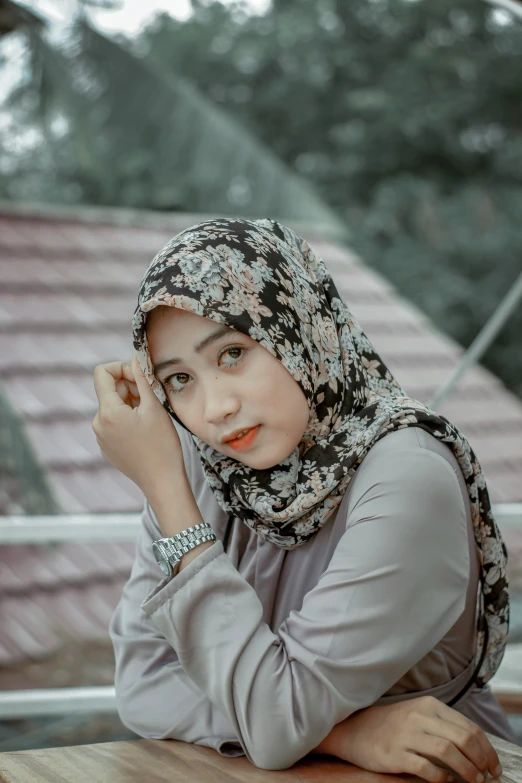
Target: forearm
[344, 740]
[155, 697]
[176, 509]
[332, 743]
[174, 505]
[325, 746]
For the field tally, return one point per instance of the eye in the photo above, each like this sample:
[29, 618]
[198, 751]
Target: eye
[231, 351]
[235, 352]
[172, 378]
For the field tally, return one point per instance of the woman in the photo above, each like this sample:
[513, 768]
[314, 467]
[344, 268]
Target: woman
[337, 610]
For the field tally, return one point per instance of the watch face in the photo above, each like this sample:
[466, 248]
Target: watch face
[165, 567]
[161, 558]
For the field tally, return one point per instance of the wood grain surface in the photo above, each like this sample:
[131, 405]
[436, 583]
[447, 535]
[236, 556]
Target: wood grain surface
[166, 761]
[170, 761]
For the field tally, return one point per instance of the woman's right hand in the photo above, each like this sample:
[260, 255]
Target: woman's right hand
[415, 736]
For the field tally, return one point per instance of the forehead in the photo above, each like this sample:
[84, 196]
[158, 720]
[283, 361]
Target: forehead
[171, 328]
[171, 323]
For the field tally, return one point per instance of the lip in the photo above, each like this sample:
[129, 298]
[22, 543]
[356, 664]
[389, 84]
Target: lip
[232, 435]
[246, 441]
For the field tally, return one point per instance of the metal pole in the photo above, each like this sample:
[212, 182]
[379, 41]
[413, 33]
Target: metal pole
[481, 342]
[40, 702]
[69, 527]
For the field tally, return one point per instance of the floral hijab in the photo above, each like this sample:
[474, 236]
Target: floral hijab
[261, 278]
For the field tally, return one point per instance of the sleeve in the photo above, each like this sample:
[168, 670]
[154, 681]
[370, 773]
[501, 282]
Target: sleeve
[394, 587]
[155, 697]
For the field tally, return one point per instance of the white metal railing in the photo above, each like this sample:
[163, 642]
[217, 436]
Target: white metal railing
[44, 702]
[47, 702]
[508, 516]
[125, 527]
[481, 342]
[80, 528]
[69, 527]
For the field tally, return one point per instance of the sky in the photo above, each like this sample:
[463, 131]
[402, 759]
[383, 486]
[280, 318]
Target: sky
[133, 15]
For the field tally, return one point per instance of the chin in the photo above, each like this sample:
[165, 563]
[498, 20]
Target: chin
[265, 462]
[257, 464]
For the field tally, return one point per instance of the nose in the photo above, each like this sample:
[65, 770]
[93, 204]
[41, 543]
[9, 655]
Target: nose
[220, 403]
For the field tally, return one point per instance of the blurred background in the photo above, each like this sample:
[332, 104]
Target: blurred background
[387, 132]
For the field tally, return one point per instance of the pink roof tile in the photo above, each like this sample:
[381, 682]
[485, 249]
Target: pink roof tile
[23, 630]
[68, 288]
[90, 272]
[47, 565]
[98, 491]
[56, 397]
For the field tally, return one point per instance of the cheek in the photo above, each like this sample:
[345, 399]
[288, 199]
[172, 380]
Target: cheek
[187, 413]
[278, 392]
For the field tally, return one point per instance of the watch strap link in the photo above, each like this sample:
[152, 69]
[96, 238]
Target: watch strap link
[174, 547]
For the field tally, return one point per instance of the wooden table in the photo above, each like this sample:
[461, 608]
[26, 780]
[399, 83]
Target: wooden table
[169, 761]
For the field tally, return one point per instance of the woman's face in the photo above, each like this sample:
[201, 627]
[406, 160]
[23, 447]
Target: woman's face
[220, 382]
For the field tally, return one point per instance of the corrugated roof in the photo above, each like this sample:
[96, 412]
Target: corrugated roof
[68, 288]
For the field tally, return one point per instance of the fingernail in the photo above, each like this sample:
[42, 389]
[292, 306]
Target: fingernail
[480, 778]
[498, 771]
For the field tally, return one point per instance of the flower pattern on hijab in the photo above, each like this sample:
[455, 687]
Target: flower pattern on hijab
[261, 278]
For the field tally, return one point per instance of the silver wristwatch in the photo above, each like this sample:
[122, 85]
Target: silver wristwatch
[169, 551]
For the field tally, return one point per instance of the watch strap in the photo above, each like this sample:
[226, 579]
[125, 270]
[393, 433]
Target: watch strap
[173, 548]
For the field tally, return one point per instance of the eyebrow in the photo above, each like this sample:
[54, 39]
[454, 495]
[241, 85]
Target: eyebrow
[212, 337]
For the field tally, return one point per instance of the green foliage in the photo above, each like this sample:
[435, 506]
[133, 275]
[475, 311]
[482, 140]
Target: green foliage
[405, 114]
[24, 484]
[117, 131]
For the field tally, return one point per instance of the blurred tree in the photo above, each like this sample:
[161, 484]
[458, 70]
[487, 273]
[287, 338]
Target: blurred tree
[24, 483]
[108, 128]
[405, 114]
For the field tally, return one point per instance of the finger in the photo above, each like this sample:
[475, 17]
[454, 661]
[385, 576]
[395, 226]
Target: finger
[105, 377]
[132, 391]
[145, 391]
[492, 760]
[466, 740]
[127, 370]
[128, 376]
[122, 387]
[116, 369]
[134, 397]
[413, 764]
[442, 749]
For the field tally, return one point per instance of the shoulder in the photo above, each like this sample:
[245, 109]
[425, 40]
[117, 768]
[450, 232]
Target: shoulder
[407, 456]
[409, 474]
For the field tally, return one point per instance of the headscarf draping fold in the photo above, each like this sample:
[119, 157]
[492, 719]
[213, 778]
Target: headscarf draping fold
[261, 278]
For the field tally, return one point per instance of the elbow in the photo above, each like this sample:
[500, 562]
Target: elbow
[276, 734]
[132, 721]
[273, 758]
[142, 721]
[269, 762]
[273, 762]
[142, 728]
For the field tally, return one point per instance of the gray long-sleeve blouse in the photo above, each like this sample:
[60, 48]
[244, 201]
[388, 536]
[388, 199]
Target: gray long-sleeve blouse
[261, 651]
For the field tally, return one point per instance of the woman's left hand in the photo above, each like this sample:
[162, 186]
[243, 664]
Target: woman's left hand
[416, 737]
[133, 429]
